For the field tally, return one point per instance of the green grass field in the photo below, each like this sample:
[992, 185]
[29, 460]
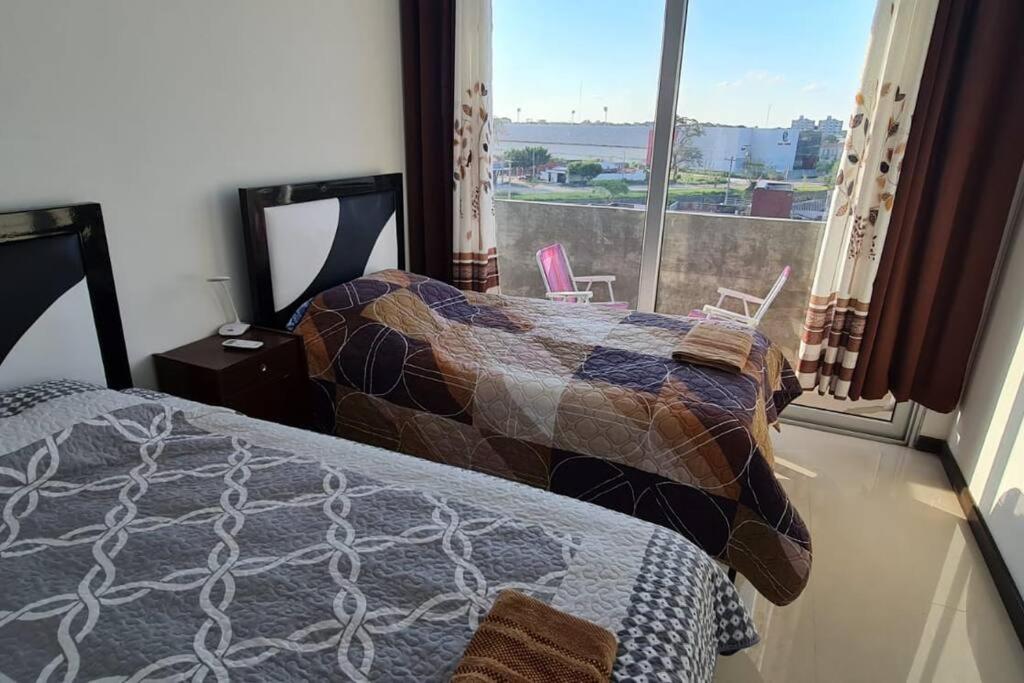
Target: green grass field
[698, 178]
[688, 186]
[597, 194]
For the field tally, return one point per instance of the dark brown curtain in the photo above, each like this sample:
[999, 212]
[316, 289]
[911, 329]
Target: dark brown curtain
[963, 157]
[428, 82]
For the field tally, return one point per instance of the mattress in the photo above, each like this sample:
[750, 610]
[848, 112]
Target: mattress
[146, 537]
[585, 401]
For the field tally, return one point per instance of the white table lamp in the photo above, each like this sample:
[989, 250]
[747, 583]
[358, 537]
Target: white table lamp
[232, 329]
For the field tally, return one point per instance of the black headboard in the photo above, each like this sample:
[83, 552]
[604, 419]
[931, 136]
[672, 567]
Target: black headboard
[303, 238]
[57, 299]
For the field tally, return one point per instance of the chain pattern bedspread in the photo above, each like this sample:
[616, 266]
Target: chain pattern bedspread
[148, 537]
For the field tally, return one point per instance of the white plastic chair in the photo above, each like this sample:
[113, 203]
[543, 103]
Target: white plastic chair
[748, 300]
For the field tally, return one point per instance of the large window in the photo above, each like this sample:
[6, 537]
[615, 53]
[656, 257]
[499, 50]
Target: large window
[575, 92]
[735, 187]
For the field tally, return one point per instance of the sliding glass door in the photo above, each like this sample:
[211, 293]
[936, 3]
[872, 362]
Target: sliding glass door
[764, 95]
[679, 166]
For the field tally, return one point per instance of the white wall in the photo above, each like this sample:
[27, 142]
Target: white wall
[719, 143]
[987, 438]
[159, 110]
[937, 425]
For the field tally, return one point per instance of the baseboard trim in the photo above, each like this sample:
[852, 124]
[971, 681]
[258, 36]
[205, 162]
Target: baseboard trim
[929, 444]
[1005, 584]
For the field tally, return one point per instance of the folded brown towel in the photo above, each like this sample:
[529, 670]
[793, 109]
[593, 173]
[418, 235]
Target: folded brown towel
[522, 640]
[716, 346]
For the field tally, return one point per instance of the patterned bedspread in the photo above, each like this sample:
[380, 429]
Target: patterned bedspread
[144, 537]
[581, 400]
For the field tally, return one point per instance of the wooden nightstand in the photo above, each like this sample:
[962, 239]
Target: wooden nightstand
[269, 383]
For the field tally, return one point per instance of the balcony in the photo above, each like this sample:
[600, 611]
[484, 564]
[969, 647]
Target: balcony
[700, 252]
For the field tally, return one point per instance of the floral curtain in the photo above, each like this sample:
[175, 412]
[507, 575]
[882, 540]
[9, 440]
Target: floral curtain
[865, 187]
[475, 258]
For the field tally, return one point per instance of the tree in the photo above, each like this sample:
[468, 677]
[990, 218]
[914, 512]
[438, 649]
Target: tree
[527, 157]
[684, 153]
[616, 188]
[754, 169]
[584, 171]
[827, 170]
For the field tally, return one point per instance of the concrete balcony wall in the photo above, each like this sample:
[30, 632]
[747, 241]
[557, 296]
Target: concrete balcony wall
[600, 240]
[700, 253]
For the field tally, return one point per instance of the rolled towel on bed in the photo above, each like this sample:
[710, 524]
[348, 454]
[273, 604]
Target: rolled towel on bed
[525, 640]
[715, 345]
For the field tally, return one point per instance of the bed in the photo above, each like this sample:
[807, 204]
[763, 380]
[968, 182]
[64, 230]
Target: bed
[147, 537]
[583, 401]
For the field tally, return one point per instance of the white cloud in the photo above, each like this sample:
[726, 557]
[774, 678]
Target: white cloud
[813, 86]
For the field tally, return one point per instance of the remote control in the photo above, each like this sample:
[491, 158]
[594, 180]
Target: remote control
[241, 344]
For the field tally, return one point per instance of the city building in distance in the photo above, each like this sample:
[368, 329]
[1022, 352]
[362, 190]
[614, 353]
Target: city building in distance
[796, 150]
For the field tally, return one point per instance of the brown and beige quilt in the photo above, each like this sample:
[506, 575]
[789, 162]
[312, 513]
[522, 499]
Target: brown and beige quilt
[585, 401]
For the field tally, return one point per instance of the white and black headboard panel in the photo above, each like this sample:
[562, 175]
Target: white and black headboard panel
[57, 299]
[307, 237]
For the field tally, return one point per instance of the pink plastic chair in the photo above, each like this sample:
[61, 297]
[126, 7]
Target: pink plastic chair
[562, 285]
[747, 318]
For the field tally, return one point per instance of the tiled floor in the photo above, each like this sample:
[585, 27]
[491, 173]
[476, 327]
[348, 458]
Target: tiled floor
[898, 590]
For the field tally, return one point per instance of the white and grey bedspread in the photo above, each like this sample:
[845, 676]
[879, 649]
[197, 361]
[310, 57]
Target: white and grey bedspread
[147, 537]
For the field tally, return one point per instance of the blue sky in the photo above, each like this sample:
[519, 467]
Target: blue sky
[740, 57]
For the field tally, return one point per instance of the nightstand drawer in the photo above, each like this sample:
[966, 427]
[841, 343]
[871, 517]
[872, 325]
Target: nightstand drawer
[278, 399]
[274, 364]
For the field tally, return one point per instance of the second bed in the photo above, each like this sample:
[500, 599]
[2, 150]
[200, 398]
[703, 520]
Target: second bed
[585, 401]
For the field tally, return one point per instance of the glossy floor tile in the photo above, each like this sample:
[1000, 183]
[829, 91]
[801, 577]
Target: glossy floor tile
[898, 590]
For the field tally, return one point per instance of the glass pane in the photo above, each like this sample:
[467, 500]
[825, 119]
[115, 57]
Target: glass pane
[765, 92]
[882, 409]
[575, 86]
